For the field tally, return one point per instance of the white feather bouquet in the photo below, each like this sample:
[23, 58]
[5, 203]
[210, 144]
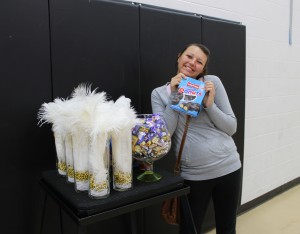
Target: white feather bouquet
[51, 113]
[67, 110]
[124, 119]
[84, 102]
[99, 156]
[83, 127]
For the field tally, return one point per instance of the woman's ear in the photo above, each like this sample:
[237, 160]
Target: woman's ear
[178, 57]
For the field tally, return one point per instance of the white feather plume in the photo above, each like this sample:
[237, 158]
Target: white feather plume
[125, 119]
[83, 90]
[125, 115]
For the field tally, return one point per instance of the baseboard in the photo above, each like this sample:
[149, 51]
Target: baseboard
[257, 201]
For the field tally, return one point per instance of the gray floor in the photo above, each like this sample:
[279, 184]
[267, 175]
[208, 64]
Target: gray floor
[280, 215]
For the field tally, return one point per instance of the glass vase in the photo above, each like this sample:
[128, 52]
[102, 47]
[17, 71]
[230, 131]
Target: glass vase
[150, 142]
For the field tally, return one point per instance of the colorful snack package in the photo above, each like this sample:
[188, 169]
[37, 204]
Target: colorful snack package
[189, 97]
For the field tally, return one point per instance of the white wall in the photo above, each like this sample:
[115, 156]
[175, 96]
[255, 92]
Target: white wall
[272, 125]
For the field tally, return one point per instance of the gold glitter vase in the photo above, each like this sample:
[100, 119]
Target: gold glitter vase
[69, 158]
[60, 154]
[99, 184]
[80, 142]
[122, 160]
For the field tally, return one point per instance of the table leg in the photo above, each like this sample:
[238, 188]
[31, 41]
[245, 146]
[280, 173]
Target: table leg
[137, 219]
[43, 213]
[186, 211]
[61, 221]
[81, 229]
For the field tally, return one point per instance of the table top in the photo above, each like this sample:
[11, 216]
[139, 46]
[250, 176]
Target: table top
[83, 206]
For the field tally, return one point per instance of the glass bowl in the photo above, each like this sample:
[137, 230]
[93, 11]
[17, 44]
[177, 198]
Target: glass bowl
[150, 142]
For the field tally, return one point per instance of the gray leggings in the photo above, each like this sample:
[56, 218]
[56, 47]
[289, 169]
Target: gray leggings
[225, 194]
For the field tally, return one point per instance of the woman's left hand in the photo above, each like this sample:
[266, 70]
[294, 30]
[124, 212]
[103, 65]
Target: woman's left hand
[210, 94]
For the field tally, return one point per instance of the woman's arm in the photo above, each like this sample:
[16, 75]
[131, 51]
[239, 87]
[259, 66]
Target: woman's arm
[160, 100]
[220, 112]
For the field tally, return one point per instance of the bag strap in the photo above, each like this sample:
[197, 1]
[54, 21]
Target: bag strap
[177, 164]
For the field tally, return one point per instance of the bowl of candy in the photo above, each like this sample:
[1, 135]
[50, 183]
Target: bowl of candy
[150, 142]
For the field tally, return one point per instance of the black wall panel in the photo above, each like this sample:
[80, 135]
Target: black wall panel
[227, 42]
[95, 42]
[26, 150]
[163, 34]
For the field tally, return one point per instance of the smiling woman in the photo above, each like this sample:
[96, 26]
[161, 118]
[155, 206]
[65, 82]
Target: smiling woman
[210, 173]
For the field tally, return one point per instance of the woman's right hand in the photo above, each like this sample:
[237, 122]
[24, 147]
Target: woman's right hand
[175, 81]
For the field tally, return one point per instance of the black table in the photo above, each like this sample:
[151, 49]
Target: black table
[85, 211]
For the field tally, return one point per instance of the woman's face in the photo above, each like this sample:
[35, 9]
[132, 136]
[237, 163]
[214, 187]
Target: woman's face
[192, 61]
